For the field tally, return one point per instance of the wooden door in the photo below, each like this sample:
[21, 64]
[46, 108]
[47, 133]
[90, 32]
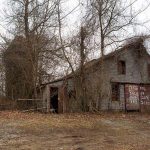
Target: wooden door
[62, 100]
[132, 97]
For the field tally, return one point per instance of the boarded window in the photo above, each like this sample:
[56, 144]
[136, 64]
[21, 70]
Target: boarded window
[121, 67]
[148, 70]
[115, 92]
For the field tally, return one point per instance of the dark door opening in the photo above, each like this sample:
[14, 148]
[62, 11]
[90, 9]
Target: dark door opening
[54, 99]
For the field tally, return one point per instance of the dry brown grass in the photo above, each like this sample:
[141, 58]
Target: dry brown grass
[106, 131]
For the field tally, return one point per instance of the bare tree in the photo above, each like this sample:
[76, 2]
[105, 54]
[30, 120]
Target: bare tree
[33, 19]
[75, 55]
[108, 20]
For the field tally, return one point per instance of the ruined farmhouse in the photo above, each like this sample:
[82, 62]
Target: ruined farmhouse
[126, 80]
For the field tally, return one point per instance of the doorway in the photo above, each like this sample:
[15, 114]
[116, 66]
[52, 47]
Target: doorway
[54, 99]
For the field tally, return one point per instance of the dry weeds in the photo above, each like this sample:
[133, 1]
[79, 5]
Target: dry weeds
[105, 131]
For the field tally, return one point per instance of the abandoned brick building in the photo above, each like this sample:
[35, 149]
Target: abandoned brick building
[127, 83]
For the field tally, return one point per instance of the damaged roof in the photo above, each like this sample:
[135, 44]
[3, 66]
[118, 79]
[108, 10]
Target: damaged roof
[142, 42]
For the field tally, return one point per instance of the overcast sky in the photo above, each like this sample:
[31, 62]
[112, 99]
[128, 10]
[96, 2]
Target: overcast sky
[69, 5]
[73, 19]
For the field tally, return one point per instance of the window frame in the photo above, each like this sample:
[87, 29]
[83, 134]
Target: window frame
[121, 67]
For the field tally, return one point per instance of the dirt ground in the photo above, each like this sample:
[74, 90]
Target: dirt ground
[105, 131]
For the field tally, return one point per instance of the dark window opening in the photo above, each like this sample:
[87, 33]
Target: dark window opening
[115, 92]
[149, 70]
[122, 67]
[54, 100]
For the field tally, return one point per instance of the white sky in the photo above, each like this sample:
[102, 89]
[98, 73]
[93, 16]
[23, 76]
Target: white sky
[73, 19]
[69, 5]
